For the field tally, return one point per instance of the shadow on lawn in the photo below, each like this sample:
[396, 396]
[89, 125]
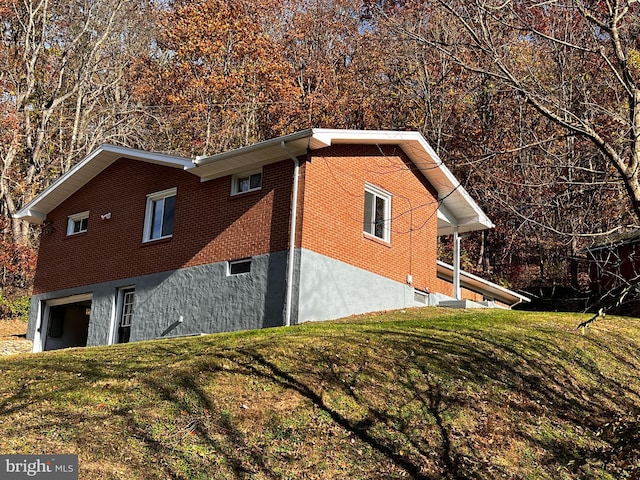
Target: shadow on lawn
[433, 403]
[436, 413]
[213, 427]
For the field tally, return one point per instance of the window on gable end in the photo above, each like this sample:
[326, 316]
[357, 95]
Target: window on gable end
[159, 215]
[377, 213]
[78, 223]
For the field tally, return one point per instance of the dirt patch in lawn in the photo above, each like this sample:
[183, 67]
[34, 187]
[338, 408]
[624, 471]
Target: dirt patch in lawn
[13, 337]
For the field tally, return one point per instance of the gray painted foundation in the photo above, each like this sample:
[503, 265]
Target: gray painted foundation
[205, 297]
[330, 289]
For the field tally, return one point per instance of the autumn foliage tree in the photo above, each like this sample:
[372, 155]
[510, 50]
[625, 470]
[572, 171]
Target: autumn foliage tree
[221, 75]
[535, 106]
[339, 65]
[61, 66]
[575, 63]
[60, 63]
[547, 139]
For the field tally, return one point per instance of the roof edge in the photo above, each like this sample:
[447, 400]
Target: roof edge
[404, 138]
[413, 144]
[207, 159]
[492, 287]
[36, 210]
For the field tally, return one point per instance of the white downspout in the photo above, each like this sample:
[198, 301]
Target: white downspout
[516, 304]
[292, 236]
[456, 264]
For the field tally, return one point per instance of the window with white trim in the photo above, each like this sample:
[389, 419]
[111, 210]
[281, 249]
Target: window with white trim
[159, 215]
[247, 182]
[377, 213]
[236, 267]
[78, 223]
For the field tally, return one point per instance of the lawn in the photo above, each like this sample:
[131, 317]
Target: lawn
[420, 393]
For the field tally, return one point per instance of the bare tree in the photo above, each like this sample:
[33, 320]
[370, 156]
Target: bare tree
[512, 41]
[58, 62]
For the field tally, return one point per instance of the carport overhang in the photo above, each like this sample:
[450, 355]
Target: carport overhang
[484, 287]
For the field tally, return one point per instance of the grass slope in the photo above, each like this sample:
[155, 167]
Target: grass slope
[426, 393]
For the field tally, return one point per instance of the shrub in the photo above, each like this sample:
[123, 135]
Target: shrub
[16, 308]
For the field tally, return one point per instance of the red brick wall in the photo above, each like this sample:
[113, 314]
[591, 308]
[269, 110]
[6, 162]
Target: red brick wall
[334, 204]
[445, 287]
[210, 225]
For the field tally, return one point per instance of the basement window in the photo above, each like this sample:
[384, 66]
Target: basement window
[78, 223]
[421, 297]
[237, 267]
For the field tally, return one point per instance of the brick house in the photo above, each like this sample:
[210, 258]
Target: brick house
[319, 224]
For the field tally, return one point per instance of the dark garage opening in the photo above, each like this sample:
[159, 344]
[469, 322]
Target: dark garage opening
[68, 325]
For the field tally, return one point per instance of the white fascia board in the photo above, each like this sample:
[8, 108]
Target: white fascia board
[146, 156]
[31, 216]
[445, 215]
[465, 213]
[458, 207]
[268, 151]
[473, 281]
[458, 199]
[251, 156]
[464, 225]
[327, 137]
[230, 163]
[249, 149]
[31, 212]
[453, 195]
[84, 171]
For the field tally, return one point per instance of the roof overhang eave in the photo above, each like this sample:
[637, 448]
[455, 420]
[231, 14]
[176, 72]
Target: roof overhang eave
[300, 143]
[254, 156]
[482, 285]
[447, 223]
[88, 168]
[461, 210]
[31, 216]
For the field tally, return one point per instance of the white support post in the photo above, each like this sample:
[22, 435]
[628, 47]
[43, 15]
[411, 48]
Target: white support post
[456, 264]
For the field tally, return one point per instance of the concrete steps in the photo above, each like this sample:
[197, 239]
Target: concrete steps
[461, 304]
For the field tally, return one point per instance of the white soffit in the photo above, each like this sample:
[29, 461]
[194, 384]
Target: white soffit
[84, 171]
[252, 156]
[297, 144]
